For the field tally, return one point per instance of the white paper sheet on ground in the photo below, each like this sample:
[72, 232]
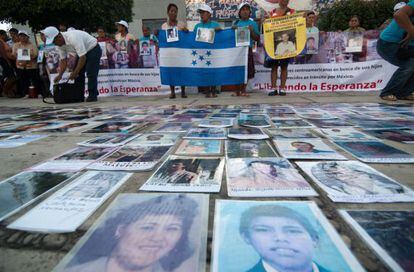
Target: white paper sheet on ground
[132, 158]
[19, 140]
[306, 149]
[184, 174]
[289, 232]
[355, 182]
[69, 207]
[180, 219]
[74, 160]
[265, 177]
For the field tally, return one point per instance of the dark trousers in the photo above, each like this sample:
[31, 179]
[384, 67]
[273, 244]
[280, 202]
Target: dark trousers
[25, 77]
[92, 70]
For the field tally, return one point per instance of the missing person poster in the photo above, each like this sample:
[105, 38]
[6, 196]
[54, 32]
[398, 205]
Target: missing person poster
[69, 207]
[285, 37]
[161, 232]
[278, 235]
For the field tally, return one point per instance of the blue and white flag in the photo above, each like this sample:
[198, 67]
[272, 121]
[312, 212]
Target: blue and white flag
[191, 63]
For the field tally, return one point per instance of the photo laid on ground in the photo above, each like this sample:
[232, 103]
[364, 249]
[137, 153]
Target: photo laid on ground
[69, 207]
[396, 135]
[24, 188]
[206, 133]
[108, 140]
[128, 158]
[291, 133]
[155, 139]
[117, 127]
[216, 123]
[253, 120]
[345, 134]
[387, 233]
[247, 134]
[177, 127]
[193, 147]
[265, 177]
[185, 174]
[16, 140]
[249, 149]
[293, 123]
[355, 182]
[375, 152]
[277, 236]
[161, 232]
[306, 149]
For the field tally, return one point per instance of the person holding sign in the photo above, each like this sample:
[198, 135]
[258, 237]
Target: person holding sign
[172, 22]
[282, 10]
[244, 12]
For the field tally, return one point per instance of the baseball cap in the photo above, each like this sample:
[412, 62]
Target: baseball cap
[241, 6]
[50, 33]
[23, 33]
[122, 22]
[205, 7]
[399, 6]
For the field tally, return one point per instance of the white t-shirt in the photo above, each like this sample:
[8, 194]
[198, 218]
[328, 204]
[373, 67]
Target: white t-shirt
[78, 42]
[285, 48]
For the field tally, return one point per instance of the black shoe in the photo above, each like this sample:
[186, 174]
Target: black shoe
[272, 93]
[282, 93]
[91, 99]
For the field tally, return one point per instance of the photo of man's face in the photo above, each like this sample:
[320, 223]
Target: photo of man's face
[303, 146]
[154, 137]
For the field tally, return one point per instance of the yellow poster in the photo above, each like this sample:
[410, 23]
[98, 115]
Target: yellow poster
[285, 37]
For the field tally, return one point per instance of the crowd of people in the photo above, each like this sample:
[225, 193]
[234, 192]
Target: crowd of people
[20, 59]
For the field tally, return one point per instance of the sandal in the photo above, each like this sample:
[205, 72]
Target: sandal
[273, 93]
[183, 96]
[244, 94]
[172, 96]
[236, 94]
[389, 97]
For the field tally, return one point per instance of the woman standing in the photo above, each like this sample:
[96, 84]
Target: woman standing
[172, 11]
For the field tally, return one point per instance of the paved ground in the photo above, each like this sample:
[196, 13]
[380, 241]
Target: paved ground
[22, 251]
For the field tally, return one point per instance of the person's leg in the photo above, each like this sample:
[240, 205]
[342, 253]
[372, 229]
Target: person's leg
[183, 95]
[273, 79]
[92, 70]
[20, 82]
[283, 78]
[172, 89]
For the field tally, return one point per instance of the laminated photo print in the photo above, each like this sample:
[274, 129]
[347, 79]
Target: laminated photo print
[396, 135]
[375, 152]
[230, 115]
[187, 175]
[345, 134]
[327, 123]
[291, 133]
[249, 149]
[206, 35]
[216, 123]
[23, 54]
[306, 149]
[108, 141]
[176, 127]
[296, 123]
[242, 36]
[117, 127]
[374, 124]
[280, 109]
[265, 177]
[74, 160]
[253, 120]
[355, 182]
[206, 133]
[172, 34]
[155, 139]
[128, 158]
[355, 41]
[193, 147]
[245, 133]
[161, 232]
[386, 233]
[80, 199]
[312, 43]
[10, 141]
[26, 187]
[277, 236]
[19, 127]
[64, 128]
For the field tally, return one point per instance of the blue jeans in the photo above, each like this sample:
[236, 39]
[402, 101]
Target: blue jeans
[401, 83]
[92, 70]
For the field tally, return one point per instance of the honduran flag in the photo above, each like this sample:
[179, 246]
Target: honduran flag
[190, 63]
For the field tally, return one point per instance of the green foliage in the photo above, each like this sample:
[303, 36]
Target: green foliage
[372, 13]
[81, 14]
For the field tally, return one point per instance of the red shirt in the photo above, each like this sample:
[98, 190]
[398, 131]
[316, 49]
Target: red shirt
[273, 13]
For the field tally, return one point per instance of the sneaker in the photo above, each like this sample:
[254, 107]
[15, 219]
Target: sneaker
[91, 99]
[273, 93]
[282, 93]
[389, 97]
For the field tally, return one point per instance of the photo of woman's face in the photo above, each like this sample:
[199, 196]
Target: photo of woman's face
[144, 242]
[282, 242]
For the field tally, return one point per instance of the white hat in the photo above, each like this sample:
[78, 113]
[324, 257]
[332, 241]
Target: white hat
[122, 22]
[205, 7]
[50, 33]
[399, 6]
[23, 32]
[241, 6]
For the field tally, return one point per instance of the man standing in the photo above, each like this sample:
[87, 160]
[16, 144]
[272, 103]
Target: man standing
[88, 51]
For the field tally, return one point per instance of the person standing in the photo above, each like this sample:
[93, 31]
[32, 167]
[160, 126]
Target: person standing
[88, 51]
[282, 10]
[396, 46]
[27, 70]
[172, 11]
[244, 12]
[14, 36]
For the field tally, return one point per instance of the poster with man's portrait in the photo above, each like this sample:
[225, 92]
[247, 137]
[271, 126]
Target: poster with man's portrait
[345, 134]
[265, 177]
[254, 120]
[184, 174]
[386, 233]
[216, 123]
[172, 34]
[291, 133]
[192, 147]
[23, 54]
[176, 127]
[242, 36]
[206, 35]
[313, 149]
[375, 152]
[128, 158]
[396, 135]
[354, 42]
[312, 43]
[247, 133]
[108, 140]
[355, 182]
[284, 43]
[155, 139]
[249, 149]
[117, 127]
[206, 133]
[277, 236]
[161, 232]
[291, 123]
